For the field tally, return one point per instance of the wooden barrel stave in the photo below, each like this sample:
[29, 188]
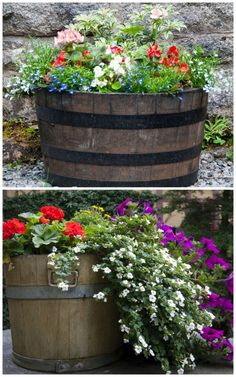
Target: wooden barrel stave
[56, 327]
[91, 139]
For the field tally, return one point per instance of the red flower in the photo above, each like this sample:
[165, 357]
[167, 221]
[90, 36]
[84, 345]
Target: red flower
[153, 51]
[43, 220]
[173, 51]
[116, 50]
[74, 229]
[183, 67]
[60, 59]
[86, 52]
[12, 227]
[52, 213]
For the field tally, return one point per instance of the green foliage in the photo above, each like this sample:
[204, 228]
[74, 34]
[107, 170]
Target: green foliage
[217, 132]
[72, 201]
[32, 66]
[200, 213]
[70, 78]
[202, 68]
[153, 79]
[108, 59]
[97, 23]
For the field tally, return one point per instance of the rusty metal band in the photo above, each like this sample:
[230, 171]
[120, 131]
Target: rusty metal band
[76, 119]
[53, 293]
[181, 181]
[109, 159]
[66, 366]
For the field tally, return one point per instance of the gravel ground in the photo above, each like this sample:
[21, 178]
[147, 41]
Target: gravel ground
[215, 171]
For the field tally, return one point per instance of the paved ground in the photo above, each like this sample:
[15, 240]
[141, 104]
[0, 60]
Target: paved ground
[127, 365]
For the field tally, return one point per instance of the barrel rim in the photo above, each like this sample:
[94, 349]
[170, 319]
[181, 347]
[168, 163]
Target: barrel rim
[122, 94]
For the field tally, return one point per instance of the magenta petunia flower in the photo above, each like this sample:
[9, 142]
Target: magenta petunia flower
[213, 260]
[209, 333]
[120, 209]
[209, 245]
[147, 208]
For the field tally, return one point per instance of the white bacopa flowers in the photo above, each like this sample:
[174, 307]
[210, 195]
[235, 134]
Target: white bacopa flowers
[100, 296]
[138, 349]
[63, 286]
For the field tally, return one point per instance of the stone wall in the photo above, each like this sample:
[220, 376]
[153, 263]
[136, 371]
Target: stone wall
[209, 24]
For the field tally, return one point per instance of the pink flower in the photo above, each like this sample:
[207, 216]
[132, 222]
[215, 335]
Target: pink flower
[68, 36]
[157, 13]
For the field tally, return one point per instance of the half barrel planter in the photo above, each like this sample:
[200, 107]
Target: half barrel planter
[126, 140]
[56, 331]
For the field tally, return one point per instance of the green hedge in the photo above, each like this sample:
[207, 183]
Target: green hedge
[71, 201]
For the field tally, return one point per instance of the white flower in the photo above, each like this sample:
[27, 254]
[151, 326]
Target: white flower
[99, 296]
[180, 371]
[124, 293]
[130, 275]
[190, 327]
[95, 268]
[192, 358]
[152, 298]
[107, 270]
[166, 337]
[112, 259]
[137, 349]
[99, 83]
[141, 288]
[76, 249]
[126, 340]
[119, 275]
[124, 328]
[125, 283]
[151, 353]
[171, 303]
[63, 286]
[98, 72]
[54, 249]
[142, 341]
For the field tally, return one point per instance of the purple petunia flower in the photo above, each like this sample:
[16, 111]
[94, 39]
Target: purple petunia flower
[211, 334]
[213, 260]
[120, 209]
[209, 245]
[212, 301]
[147, 208]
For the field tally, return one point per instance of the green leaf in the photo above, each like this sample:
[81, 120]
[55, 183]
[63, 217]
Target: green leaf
[45, 235]
[132, 30]
[31, 217]
[116, 85]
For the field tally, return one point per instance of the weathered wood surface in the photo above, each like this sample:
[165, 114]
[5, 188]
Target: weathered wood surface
[60, 329]
[94, 139]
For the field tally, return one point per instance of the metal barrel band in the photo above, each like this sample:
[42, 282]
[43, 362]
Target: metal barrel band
[181, 181]
[66, 366]
[76, 119]
[109, 159]
[54, 293]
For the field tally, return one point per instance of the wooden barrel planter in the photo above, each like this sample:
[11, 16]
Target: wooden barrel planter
[125, 140]
[60, 331]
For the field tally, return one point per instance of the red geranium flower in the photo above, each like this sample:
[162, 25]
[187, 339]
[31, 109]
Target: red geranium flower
[74, 229]
[52, 213]
[60, 59]
[173, 51]
[116, 50]
[153, 51]
[43, 220]
[11, 227]
[184, 68]
[86, 52]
